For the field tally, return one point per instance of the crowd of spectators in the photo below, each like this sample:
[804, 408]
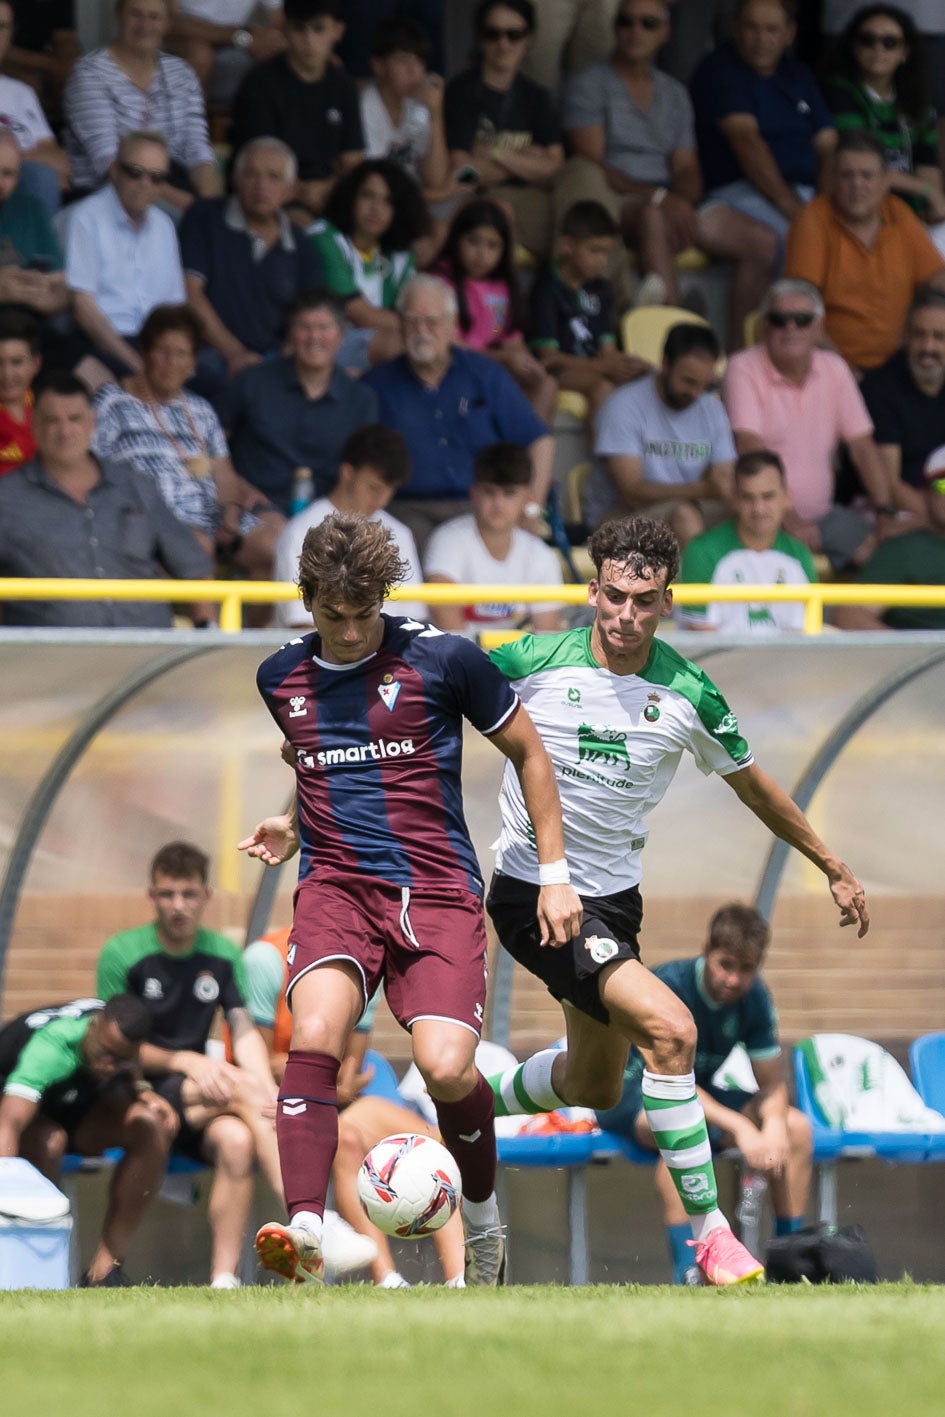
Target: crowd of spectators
[293, 260]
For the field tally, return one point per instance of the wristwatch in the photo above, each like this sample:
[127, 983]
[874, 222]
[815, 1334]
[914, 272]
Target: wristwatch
[242, 39]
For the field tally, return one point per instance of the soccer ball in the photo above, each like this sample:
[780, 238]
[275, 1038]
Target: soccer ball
[409, 1186]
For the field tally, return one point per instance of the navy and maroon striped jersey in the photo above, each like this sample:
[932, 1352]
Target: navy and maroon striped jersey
[378, 749]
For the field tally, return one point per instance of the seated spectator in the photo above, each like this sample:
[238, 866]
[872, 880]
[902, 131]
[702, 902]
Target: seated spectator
[916, 558]
[630, 127]
[185, 975]
[67, 514]
[751, 549]
[289, 418]
[244, 261]
[222, 39]
[571, 35]
[160, 430]
[730, 1005]
[866, 253]
[488, 547]
[372, 218]
[572, 324]
[374, 463]
[45, 171]
[479, 263]
[503, 127]
[19, 364]
[449, 403]
[765, 134]
[30, 257]
[131, 85]
[305, 98]
[663, 444]
[877, 84]
[122, 256]
[788, 395]
[905, 398]
[71, 1080]
[402, 109]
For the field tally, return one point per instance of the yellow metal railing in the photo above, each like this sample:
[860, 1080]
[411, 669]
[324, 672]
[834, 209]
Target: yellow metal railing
[233, 595]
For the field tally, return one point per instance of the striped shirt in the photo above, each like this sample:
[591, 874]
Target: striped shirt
[102, 103]
[160, 443]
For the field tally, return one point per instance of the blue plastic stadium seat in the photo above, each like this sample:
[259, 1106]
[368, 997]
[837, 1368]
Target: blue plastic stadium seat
[927, 1065]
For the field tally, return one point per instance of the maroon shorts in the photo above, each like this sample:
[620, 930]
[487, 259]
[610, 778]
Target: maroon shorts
[428, 946]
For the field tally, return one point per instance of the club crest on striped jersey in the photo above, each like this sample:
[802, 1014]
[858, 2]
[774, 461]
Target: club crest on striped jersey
[388, 692]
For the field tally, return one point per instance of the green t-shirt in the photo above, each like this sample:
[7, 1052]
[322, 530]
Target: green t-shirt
[349, 272]
[915, 558]
[51, 1056]
[719, 557]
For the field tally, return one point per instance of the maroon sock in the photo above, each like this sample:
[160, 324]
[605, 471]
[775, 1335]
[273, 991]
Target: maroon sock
[468, 1129]
[307, 1129]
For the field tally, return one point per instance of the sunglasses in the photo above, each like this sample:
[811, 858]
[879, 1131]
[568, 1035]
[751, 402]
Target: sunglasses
[937, 484]
[136, 173]
[493, 33]
[869, 39]
[780, 319]
[643, 22]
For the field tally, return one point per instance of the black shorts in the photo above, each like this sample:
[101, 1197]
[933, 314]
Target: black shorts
[189, 1140]
[68, 1103]
[609, 928]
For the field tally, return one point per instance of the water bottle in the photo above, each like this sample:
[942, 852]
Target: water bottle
[303, 485]
[751, 1198]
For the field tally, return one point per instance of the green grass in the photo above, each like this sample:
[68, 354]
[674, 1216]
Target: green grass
[523, 1351]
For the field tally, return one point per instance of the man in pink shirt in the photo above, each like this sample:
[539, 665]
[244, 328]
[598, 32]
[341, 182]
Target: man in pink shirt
[787, 394]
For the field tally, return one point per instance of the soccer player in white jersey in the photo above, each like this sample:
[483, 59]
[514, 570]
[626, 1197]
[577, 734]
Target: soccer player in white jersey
[615, 738]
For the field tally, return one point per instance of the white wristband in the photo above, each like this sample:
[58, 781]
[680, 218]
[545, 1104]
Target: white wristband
[659, 196]
[554, 873]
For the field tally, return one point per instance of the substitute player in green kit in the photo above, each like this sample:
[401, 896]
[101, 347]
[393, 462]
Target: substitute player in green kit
[616, 708]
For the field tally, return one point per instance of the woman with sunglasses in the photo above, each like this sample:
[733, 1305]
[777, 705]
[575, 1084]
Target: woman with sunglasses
[131, 86]
[501, 129]
[877, 82]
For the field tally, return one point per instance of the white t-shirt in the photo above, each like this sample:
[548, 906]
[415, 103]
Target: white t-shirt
[21, 111]
[237, 13]
[407, 143]
[289, 548]
[675, 445]
[458, 553]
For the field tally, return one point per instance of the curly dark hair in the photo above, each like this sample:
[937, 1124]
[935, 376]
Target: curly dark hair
[912, 93]
[483, 212]
[349, 559]
[410, 220]
[640, 546]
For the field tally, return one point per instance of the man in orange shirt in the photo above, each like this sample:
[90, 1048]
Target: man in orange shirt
[19, 365]
[865, 251]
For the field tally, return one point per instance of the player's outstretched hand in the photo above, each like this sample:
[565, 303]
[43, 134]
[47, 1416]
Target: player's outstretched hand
[851, 898]
[559, 914]
[273, 841]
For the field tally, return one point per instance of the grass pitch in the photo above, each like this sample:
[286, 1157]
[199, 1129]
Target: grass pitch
[522, 1351]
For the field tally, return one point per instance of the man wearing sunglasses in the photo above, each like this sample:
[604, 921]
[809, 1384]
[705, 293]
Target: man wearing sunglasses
[122, 257]
[801, 401]
[915, 558]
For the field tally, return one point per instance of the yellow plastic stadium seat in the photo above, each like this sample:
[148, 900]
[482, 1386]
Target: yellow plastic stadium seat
[644, 330]
[752, 332]
[574, 492]
[569, 401]
[691, 259]
[524, 260]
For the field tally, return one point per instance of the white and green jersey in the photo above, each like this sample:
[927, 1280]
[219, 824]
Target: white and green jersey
[719, 557]
[377, 275]
[615, 741]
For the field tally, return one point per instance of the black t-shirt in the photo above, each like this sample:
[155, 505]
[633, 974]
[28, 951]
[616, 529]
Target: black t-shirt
[318, 121]
[904, 415]
[569, 320]
[520, 118]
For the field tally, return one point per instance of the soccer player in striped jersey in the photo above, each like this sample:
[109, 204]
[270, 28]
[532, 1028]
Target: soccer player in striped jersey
[616, 708]
[373, 707]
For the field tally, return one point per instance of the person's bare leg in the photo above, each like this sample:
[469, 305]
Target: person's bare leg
[752, 247]
[43, 1144]
[646, 230]
[229, 1149]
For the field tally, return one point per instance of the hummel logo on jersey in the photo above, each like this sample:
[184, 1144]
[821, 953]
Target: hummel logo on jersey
[298, 709]
[388, 692]
[153, 989]
[360, 753]
[293, 1106]
[729, 724]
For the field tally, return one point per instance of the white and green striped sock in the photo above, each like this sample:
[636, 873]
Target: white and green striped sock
[527, 1089]
[678, 1124]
